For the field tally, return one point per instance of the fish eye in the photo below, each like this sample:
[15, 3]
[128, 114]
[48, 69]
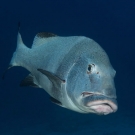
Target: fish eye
[89, 69]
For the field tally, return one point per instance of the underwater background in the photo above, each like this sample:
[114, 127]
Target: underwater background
[28, 111]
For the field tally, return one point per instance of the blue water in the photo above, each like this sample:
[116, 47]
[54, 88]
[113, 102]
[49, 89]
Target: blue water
[28, 111]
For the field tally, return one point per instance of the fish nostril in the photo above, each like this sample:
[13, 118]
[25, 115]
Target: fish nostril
[86, 94]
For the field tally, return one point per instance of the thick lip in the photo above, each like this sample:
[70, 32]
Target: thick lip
[86, 94]
[99, 103]
[102, 106]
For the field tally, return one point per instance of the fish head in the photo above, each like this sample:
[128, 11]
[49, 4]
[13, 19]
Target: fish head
[90, 85]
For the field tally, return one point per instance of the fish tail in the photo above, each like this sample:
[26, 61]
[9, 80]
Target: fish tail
[20, 52]
[18, 55]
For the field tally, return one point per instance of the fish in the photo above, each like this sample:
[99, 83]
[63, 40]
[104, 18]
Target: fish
[74, 70]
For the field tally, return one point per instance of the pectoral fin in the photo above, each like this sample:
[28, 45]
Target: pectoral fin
[52, 77]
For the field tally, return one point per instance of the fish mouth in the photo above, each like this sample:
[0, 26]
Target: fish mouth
[99, 104]
[102, 107]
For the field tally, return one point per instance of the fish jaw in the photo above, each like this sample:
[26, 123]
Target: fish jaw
[99, 104]
[102, 107]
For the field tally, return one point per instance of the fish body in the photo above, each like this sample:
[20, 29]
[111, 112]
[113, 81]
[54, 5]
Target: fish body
[75, 71]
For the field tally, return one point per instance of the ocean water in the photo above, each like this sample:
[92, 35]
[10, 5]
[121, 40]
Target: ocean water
[28, 111]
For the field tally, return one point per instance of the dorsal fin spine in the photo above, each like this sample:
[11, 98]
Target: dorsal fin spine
[41, 38]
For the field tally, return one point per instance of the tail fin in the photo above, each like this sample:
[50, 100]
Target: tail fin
[20, 47]
[3, 76]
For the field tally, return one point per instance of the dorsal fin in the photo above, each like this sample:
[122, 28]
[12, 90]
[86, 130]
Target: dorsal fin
[41, 38]
[45, 35]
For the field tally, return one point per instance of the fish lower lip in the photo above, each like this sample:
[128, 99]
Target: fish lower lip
[102, 107]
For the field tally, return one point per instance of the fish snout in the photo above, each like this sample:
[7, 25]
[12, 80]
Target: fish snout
[98, 103]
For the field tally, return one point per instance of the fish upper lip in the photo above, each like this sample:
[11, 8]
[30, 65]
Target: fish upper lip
[87, 94]
[103, 105]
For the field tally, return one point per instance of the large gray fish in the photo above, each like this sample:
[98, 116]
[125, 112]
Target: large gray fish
[75, 71]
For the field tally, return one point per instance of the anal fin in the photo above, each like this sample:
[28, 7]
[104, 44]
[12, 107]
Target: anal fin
[29, 81]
